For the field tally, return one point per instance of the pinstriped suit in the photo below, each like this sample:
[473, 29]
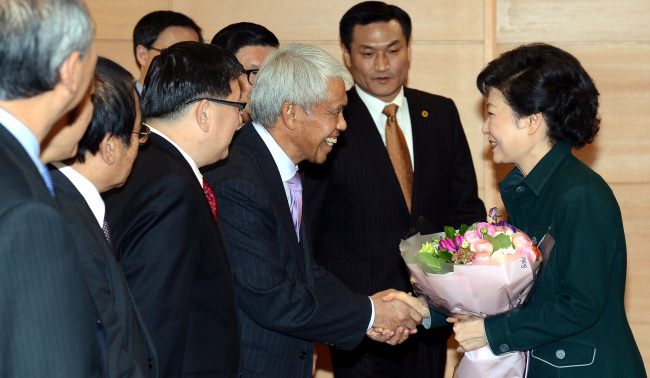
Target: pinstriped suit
[285, 300]
[359, 214]
[47, 327]
[130, 349]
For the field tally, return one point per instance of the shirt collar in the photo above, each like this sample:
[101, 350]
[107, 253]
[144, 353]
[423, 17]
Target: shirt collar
[282, 161]
[87, 189]
[541, 173]
[23, 134]
[187, 157]
[376, 106]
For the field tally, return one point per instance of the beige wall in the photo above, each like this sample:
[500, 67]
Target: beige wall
[452, 40]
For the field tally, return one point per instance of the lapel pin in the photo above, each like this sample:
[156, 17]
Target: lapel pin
[425, 114]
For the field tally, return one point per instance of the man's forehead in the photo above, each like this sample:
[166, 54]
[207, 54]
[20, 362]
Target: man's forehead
[376, 29]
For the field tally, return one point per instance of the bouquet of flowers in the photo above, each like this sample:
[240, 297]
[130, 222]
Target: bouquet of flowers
[485, 269]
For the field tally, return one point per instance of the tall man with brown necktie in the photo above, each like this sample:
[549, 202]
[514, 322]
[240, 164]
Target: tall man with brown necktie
[404, 156]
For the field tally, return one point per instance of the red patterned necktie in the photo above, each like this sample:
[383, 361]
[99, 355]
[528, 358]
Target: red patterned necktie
[211, 198]
[399, 153]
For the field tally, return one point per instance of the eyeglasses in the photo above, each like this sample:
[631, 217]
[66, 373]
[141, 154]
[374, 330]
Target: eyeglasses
[240, 105]
[144, 133]
[251, 75]
[155, 49]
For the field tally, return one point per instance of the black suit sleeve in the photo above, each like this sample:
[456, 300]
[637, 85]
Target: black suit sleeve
[46, 324]
[264, 289]
[464, 204]
[159, 254]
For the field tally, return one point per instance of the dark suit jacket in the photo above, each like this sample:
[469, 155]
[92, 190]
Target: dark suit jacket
[47, 327]
[574, 324]
[357, 208]
[285, 300]
[130, 349]
[171, 253]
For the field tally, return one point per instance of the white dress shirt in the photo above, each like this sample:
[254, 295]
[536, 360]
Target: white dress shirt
[87, 189]
[187, 157]
[375, 106]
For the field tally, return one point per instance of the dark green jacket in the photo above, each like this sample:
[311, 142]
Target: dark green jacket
[574, 323]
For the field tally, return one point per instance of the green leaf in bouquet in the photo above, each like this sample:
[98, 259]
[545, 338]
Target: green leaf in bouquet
[463, 228]
[496, 243]
[504, 240]
[450, 232]
[427, 262]
[445, 256]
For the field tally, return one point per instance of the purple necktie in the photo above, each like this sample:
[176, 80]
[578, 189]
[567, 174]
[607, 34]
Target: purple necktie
[109, 237]
[295, 188]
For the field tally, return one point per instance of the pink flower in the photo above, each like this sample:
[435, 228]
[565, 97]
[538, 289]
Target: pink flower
[520, 240]
[448, 244]
[472, 236]
[482, 246]
[527, 251]
[482, 256]
[486, 228]
[459, 239]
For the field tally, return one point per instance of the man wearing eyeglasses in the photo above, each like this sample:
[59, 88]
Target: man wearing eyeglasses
[164, 220]
[251, 44]
[159, 30]
[103, 161]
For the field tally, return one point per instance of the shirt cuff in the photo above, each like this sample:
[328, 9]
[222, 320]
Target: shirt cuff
[372, 317]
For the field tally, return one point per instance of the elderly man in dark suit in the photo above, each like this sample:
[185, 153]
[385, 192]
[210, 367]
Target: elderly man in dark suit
[404, 157]
[47, 325]
[103, 161]
[285, 300]
[164, 218]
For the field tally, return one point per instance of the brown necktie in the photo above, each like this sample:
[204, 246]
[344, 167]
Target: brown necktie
[399, 154]
[207, 189]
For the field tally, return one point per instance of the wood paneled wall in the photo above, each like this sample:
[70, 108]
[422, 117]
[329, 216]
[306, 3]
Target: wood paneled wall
[452, 41]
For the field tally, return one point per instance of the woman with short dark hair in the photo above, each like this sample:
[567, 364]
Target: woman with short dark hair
[541, 104]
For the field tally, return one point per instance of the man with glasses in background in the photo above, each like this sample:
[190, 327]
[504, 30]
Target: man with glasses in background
[164, 220]
[102, 162]
[159, 30]
[251, 44]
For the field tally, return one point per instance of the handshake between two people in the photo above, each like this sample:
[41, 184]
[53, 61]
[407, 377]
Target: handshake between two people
[397, 315]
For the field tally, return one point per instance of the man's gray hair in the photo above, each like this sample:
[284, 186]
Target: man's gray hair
[36, 36]
[299, 74]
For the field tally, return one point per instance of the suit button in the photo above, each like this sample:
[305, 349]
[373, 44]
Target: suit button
[560, 354]
[303, 355]
[504, 348]
[520, 189]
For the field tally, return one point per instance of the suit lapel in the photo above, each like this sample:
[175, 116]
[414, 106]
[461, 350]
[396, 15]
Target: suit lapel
[418, 129]
[424, 140]
[17, 154]
[271, 176]
[64, 187]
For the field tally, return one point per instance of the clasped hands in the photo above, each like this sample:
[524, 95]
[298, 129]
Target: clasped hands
[397, 315]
